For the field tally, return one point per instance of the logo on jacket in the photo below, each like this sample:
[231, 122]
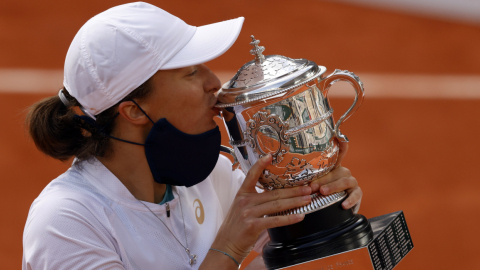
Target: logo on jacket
[199, 212]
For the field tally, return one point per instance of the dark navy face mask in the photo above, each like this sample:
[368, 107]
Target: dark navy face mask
[177, 158]
[181, 159]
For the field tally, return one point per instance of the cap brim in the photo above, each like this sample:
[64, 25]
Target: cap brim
[208, 42]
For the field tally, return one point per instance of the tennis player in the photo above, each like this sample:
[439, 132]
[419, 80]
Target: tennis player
[147, 188]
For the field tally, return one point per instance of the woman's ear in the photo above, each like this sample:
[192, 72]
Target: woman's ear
[130, 112]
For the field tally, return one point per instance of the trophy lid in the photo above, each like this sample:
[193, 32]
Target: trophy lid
[266, 76]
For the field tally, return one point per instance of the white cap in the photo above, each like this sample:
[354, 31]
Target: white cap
[121, 48]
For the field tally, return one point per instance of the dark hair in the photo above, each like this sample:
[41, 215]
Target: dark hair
[58, 133]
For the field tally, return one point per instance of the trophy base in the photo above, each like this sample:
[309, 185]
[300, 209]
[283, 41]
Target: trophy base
[391, 243]
[322, 233]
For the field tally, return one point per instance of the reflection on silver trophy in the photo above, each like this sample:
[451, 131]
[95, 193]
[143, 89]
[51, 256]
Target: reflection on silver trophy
[279, 106]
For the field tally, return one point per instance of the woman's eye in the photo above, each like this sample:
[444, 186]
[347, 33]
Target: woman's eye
[193, 73]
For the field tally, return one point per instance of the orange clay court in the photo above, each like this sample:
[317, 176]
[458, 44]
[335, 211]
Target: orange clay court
[419, 155]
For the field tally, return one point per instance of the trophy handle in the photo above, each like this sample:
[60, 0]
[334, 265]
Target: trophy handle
[230, 151]
[344, 75]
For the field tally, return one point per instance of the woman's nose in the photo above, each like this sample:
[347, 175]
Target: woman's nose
[212, 82]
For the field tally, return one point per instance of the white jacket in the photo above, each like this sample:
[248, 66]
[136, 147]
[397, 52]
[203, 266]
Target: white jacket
[87, 219]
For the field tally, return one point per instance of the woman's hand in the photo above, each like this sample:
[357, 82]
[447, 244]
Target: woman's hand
[245, 219]
[339, 179]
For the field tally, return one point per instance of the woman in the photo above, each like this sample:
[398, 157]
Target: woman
[148, 189]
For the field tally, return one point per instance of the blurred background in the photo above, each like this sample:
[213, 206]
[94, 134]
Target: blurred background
[414, 142]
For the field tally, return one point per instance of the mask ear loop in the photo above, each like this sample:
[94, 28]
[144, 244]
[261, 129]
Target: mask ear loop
[122, 140]
[92, 121]
[113, 137]
[143, 111]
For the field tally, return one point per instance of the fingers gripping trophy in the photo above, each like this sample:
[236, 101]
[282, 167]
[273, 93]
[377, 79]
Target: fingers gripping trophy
[279, 106]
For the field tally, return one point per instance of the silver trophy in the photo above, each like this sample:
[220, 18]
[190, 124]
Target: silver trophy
[279, 106]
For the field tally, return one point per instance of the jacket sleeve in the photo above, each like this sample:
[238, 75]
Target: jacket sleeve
[61, 233]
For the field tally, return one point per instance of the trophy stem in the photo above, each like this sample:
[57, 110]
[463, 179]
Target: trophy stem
[325, 232]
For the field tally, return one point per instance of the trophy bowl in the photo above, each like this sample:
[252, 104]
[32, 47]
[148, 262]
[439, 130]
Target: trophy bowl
[279, 106]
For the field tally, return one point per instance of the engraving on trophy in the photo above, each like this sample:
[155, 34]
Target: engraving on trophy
[267, 70]
[251, 74]
[272, 66]
[272, 181]
[297, 170]
[266, 135]
[328, 156]
[267, 139]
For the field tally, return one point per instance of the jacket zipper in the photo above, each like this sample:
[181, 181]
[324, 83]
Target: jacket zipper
[168, 209]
